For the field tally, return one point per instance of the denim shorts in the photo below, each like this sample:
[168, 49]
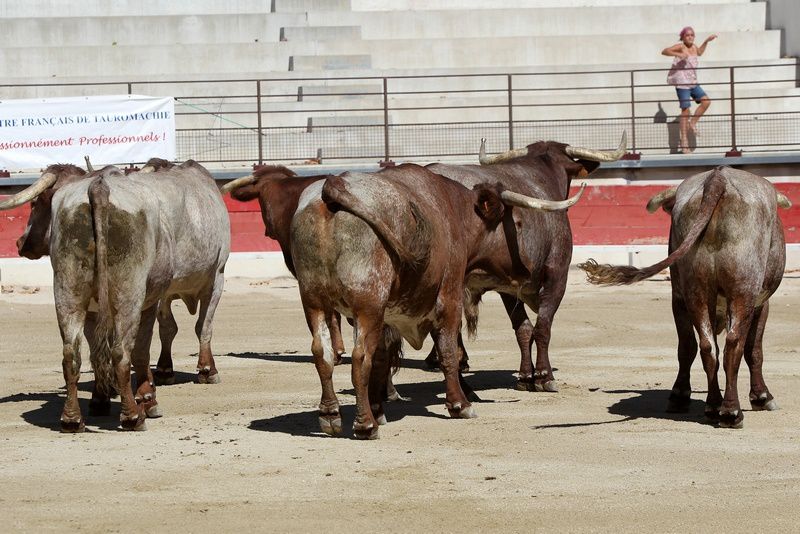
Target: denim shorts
[685, 96]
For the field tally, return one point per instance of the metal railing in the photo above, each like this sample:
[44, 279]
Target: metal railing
[425, 118]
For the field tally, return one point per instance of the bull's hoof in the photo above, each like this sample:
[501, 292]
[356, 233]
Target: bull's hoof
[365, 431]
[138, 424]
[393, 396]
[765, 401]
[152, 410]
[679, 402]
[524, 384]
[331, 424]
[206, 376]
[457, 411]
[731, 420]
[550, 386]
[164, 377]
[339, 358]
[72, 427]
[99, 407]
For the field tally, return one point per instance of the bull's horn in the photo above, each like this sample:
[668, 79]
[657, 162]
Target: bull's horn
[783, 201]
[88, 164]
[516, 199]
[660, 198]
[32, 191]
[237, 183]
[147, 168]
[599, 155]
[505, 156]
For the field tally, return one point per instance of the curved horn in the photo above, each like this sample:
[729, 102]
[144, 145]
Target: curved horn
[516, 199]
[147, 168]
[32, 191]
[660, 198]
[235, 184]
[599, 155]
[783, 201]
[505, 156]
[88, 164]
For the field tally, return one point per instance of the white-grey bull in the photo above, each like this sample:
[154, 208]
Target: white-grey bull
[127, 243]
[727, 256]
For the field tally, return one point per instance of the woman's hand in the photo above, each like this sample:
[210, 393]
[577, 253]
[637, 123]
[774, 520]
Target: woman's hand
[710, 38]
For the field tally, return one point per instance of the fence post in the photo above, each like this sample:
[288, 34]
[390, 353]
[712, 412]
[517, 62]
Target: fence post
[260, 132]
[510, 115]
[734, 152]
[632, 154]
[386, 161]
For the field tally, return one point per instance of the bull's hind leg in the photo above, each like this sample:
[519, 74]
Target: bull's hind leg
[145, 386]
[71, 325]
[100, 405]
[336, 339]
[387, 350]
[680, 397]
[523, 329]
[554, 284]
[167, 330]
[206, 369]
[447, 345]
[760, 397]
[132, 416]
[702, 313]
[432, 360]
[368, 332]
[330, 419]
[740, 315]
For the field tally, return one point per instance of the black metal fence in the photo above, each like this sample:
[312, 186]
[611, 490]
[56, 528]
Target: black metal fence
[296, 120]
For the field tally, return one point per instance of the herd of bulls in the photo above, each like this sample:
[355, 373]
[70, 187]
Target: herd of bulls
[402, 253]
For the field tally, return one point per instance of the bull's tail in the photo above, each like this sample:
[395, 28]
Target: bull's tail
[336, 197]
[713, 190]
[104, 334]
[393, 344]
[472, 303]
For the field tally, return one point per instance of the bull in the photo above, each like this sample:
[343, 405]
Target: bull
[128, 243]
[528, 261]
[391, 250]
[34, 243]
[726, 258]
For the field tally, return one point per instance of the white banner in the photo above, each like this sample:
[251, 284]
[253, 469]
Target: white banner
[109, 129]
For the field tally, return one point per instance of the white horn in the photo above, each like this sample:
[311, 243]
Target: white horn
[32, 191]
[660, 198]
[783, 201]
[599, 155]
[235, 184]
[505, 156]
[516, 199]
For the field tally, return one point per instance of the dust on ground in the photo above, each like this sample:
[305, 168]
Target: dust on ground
[247, 455]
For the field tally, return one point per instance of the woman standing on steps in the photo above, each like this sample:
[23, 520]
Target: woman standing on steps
[683, 75]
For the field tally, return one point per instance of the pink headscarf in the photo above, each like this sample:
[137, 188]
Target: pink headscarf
[684, 30]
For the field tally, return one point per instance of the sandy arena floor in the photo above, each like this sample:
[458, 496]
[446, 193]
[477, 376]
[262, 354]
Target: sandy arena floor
[246, 455]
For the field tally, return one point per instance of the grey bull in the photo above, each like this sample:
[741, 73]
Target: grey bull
[127, 243]
[727, 256]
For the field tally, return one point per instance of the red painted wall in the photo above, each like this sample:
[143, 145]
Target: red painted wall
[606, 215]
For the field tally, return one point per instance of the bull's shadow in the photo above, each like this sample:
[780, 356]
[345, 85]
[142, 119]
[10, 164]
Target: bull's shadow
[287, 357]
[48, 415]
[648, 404]
[426, 399]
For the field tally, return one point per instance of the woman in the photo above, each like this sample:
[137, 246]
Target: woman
[683, 75]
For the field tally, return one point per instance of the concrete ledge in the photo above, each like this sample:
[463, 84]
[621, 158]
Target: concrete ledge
[330, 62]
[269, 265]
[320, 33]
[304, 6]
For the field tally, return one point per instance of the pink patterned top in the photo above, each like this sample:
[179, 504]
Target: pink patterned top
[683, 73]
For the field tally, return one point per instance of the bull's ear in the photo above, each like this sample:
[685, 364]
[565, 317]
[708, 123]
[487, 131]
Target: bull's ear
[488, 205]
[246, 192]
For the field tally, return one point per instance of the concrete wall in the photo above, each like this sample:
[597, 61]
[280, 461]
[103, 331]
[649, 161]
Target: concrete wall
[403, 5]
[785, 15]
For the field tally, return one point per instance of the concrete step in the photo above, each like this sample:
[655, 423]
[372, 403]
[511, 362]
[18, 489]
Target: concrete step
[140, 8]
[465, 5]
[562, 20]
[317, 93]
[329, 62]
[306, 6]
[159, 30]
[345, 121]
[320, 33]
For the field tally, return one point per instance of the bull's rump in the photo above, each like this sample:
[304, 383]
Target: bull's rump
[742, 247]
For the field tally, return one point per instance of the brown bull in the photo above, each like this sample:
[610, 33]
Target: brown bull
[392, 249]
[727, 256]
[528, 261]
